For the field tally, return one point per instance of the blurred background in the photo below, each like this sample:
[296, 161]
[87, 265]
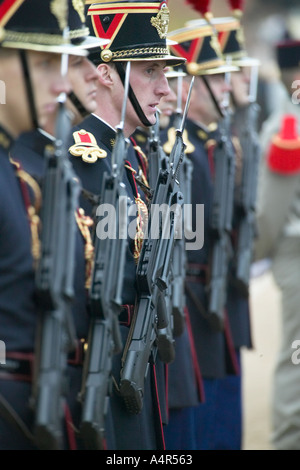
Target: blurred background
[265, 22]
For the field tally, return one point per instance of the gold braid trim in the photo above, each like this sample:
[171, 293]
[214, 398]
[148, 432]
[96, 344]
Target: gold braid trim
[79, 33]
[141, 222]
[159, 52]
[32, 210]
[142, 154]
[84, 223]
[144, 157]
[34, 38]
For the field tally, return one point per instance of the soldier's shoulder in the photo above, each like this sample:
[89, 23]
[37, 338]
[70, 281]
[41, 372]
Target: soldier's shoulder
[85, 146]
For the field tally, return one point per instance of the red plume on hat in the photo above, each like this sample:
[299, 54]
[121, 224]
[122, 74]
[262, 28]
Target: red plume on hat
[237, 7]
[202, 6]
[284, 154]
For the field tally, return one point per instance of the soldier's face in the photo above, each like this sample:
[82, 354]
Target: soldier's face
[240, 86]
[202, 108]
[167, 105]
[47, 84]
[83, 77]
[150, 85]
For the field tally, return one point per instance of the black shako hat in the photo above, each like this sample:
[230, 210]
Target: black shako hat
[199, 44]
[231, 39]
[79, 32]
[136, 31]
[288, 53]
[39, 25]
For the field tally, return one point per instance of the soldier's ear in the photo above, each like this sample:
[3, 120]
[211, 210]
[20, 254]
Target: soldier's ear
[105, 74]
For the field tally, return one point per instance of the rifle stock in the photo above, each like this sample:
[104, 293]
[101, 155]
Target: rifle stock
[54, 281]
[106, 298]
[153, 276]
[221, 223]
[247, 119]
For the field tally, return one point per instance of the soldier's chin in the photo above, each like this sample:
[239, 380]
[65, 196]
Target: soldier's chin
[152, 118]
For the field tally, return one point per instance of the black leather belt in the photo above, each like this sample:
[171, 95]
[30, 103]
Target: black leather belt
[19, 365]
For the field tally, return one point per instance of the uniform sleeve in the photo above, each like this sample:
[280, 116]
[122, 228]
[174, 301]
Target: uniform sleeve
[277, 184]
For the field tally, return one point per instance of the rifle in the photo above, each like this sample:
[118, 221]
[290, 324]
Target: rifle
[179, 261]
[246, 201]
[55, 291]
[221, 224]
[153, 270]
[158, 160]
[104, 339]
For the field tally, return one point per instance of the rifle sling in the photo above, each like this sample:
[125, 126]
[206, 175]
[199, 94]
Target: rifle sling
[9, 415]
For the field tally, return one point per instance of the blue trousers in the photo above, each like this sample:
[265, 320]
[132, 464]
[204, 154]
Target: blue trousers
[218, 421]
[180, 433]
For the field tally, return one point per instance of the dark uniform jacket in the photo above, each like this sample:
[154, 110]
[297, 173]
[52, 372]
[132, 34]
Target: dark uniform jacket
[141, 431]
[28, 151]
[215, 349]
[185, 386]
[17, 302]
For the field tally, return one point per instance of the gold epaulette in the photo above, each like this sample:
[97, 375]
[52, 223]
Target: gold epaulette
[86, 147]
[167, 147]
[210, 143]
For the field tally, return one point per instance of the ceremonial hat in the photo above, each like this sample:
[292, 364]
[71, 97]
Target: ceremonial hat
[136, 31]
[231, 39]
[79, 32]
[39, 25]
[288, 53]
[199, 45]
[229, 31]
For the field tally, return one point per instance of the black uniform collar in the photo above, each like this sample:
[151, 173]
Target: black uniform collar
[108, 133]
[6, 140]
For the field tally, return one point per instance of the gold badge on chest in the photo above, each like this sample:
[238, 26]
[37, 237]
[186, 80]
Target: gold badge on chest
[86, 147]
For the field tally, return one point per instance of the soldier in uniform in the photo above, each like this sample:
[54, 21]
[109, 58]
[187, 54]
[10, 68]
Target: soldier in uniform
[244, 113]
[29, 150]
[185, 386]
[278, 239]
[138, 36]
[32, 41]
[216, 425]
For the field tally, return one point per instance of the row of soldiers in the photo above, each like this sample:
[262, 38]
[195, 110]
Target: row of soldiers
[120, 337]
